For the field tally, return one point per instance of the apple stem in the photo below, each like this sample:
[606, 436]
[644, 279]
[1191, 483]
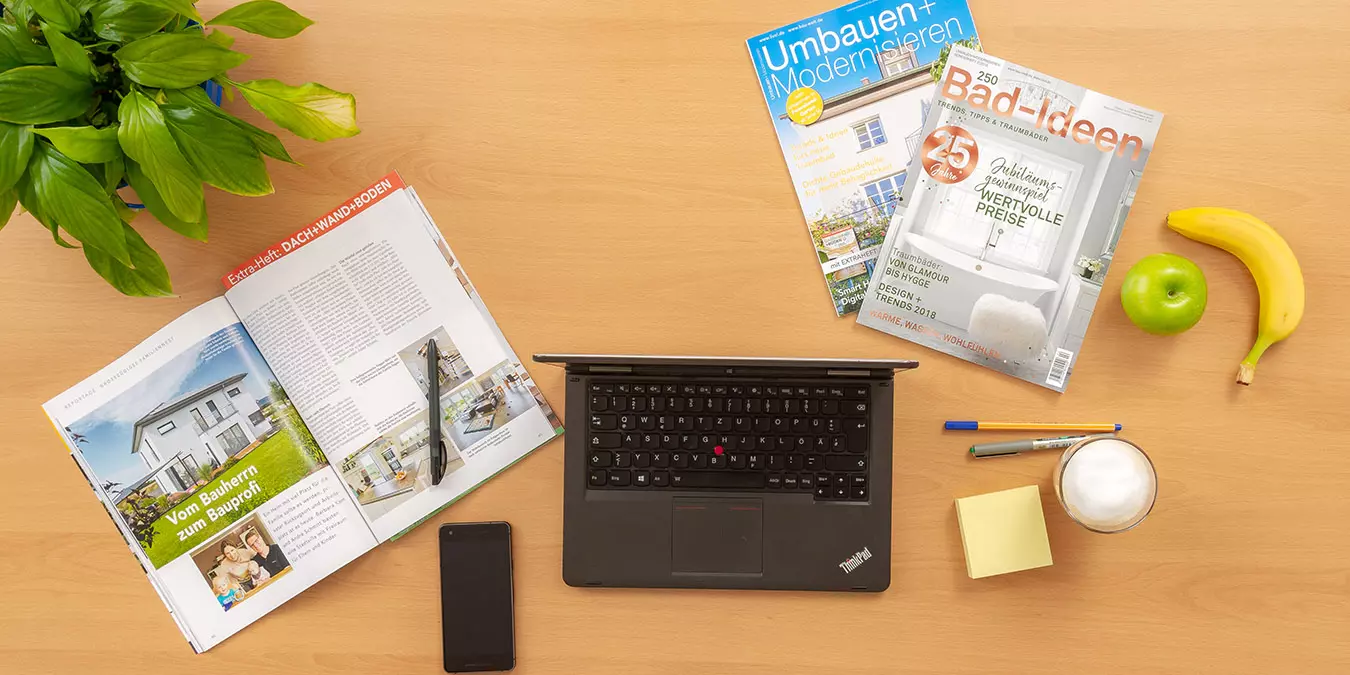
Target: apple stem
[1247, 369]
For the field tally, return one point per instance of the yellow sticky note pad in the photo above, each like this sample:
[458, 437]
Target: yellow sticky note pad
[1003, 532]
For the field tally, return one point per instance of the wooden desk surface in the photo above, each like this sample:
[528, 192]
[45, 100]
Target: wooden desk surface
[608, 174]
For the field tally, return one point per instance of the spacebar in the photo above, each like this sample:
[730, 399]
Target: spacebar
[716, 479]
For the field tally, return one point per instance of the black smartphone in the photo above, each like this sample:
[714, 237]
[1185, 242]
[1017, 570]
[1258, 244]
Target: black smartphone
[477, 609]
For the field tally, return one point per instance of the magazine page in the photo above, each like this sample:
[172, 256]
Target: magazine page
[193, 446]
[1000, 243]
[345, 307]
[848, 91]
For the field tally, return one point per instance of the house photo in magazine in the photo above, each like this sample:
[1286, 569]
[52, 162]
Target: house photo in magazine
[485, 404]
[209, 437]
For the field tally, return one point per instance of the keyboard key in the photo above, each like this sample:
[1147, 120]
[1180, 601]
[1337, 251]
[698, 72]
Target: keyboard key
[855, 392]
[755, 462]
[790, 481]
[741, 424]
[775, 481]
[715, 405]
[642, 479]
[595, 478]
[632, 441]
[785, 444]
[762, 425]
[642, 460]
[766, 443]
[823, 492]
[600, 458]
[839, 493]
[857, 480]
[829, 407]
[792, 406]
[623, 460]
[599, 403]
[699, 460]
[707, 442]
[651, 441]
[639, 389]
[618, 478]
[689, 441]
[669, 389]
[799, 425]
[604, 440]
[802, 444]
[660, 479]
[815, 462]
[802, 392]
[670, 441]
[722, 423]
[719, 390]
[603, 422]
[796, 462]
[728, 442]
[855, 408]
[638, 404]
[717, 461]
[646, 422]
[736, 460]
[656, 404]
[859, 493]
[679, 460]
[821, 445]
[777, 462]
[806, 482]
[754, 406]
[822, 480]
[601, 388]
[810, 407]
[856, 433]
[737, 390]
[840, 481]
[735, 406]
[837, 444]
[703, 423]
[704, 390]
[675, 404]
[834, 392]
[665, 423]
[746, 443]
[618, 403]
[661, 460]
[693, 404]
[626, 422]
[687, 390]
[624, 389]
[717, 479]
[846, 463]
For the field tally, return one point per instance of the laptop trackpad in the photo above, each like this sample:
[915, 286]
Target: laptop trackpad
[717, 536]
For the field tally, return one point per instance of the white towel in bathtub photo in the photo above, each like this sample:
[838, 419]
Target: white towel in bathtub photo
[1016, 329]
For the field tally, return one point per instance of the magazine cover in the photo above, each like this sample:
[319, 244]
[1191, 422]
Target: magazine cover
[999, 245]
[848, 91]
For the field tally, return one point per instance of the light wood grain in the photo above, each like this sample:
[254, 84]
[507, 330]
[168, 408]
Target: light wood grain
[607, 173]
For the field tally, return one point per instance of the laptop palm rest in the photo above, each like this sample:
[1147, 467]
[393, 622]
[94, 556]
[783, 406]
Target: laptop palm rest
[717, 536]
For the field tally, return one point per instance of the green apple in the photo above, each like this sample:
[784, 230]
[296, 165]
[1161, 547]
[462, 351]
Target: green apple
[1164, 294]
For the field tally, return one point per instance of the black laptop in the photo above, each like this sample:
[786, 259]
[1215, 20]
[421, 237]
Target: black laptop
[686, 472]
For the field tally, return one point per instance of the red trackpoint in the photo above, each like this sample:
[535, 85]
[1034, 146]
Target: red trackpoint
[717, 450]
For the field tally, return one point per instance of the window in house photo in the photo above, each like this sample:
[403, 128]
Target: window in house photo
[869, 133]
[233, 439]
[201, 421]
[885, 193]
[233, 392]
[215, 412]
[165, 428]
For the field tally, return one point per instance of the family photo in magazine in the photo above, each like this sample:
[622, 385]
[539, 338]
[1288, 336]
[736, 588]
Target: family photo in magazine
[241, 562]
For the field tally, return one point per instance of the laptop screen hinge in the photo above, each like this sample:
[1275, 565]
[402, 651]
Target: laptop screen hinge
[848, 373]
[622, 370]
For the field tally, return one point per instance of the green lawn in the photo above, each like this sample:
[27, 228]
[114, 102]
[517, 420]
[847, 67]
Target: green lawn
[281, 463]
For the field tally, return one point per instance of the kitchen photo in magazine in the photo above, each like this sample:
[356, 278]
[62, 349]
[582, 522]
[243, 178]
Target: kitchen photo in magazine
[848, 91]
[268, 437]
[1001, 240]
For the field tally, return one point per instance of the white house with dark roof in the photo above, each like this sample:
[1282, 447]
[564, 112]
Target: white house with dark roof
[199, 429]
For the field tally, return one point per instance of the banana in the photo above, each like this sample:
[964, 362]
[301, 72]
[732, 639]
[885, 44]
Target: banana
[1267, 256]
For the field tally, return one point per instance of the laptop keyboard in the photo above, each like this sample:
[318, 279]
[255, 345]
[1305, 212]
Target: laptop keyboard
[730, 436]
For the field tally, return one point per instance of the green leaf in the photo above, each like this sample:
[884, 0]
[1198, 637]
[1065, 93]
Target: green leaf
[42, 94]
[310, 110]
[17, 48]
[126, 213]
[154, 203]
[222, 154]
[70, 55]
[184, 7]
[68, 196]
[21, 10]
[176, 60]
[127, 20]
[16, 147]
[8, 200]
[114, 171]
[266, 142]
[145, 138]
[83, 6]
[221, 38]
[263, 17]
[58, 13]
[85, 145]
[145, 276]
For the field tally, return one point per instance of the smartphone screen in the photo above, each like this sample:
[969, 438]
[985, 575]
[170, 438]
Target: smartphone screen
[477, 618]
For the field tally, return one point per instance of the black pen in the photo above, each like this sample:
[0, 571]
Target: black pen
[434, 412]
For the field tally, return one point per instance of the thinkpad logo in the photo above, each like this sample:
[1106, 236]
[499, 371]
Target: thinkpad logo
[855, 560]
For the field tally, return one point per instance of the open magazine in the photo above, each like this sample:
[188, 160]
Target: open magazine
[268, 437]
[1000, 243]
[848, 91]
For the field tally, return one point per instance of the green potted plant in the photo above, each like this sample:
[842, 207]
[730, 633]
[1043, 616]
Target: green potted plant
[97, 95]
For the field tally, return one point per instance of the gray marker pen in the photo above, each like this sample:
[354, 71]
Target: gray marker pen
[1015, 447]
